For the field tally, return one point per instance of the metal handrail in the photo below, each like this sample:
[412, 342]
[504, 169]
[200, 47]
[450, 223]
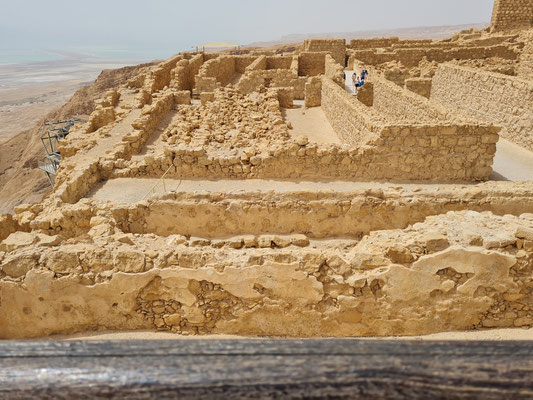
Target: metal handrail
[162, 179]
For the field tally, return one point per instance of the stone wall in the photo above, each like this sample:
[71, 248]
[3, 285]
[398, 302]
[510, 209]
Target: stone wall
[313, 92]
[221, 68]
[183, 76]
[432, 277]
[242, 63]
[512, 15]
[334, 71]
[359, 44]
[420, 86]
[494, 98]
[279, 62]
[398, 104]
[412, 57]
[312, 64]
[252, 80]
[525, 67]
[336, 47]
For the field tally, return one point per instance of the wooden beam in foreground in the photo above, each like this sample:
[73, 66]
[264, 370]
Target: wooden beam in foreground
[230, 369]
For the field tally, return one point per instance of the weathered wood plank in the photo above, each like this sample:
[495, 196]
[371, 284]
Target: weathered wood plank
[226, 369]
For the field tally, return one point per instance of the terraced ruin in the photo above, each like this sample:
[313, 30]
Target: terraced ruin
[255, 194]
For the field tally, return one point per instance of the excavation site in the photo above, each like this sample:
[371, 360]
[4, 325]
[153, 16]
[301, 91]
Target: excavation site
[365, 188]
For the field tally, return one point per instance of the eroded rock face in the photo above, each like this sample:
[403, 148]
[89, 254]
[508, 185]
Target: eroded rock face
[431, 277]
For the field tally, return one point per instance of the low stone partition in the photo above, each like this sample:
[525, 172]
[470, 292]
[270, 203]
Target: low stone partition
[353, 122]
[412, 57]
[183, 76]
[334, 71]
[398, 104]
[490, 97]
[348, 214]
[444, 152]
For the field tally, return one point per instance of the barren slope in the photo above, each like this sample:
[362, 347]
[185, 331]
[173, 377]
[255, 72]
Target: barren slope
[20, 179]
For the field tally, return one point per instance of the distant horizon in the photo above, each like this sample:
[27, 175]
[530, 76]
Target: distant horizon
[163, 27]
[105, 53]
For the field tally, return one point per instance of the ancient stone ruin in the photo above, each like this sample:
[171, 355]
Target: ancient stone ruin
[254, 194]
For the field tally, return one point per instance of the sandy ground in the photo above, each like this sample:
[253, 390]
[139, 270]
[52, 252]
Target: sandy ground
[310, 122]
[490, 335]
[512, 162]
[132, 190]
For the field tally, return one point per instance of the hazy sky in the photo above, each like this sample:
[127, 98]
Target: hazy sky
[175, 25]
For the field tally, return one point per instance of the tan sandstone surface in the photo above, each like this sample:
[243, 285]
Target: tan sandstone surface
[252, 194]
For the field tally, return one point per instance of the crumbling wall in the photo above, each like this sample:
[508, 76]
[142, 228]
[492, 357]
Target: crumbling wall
[252, 80]
[494, 98]
[412, 57]
[183, 76]
[512, 15]
[336, 47]
[353, 122]
[312, 64]
[221, 69]
[160, 75]
[427, 276]
[334, 71]
[313, 92]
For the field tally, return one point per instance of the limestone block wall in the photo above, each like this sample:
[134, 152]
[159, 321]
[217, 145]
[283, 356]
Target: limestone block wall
[441, 152]
[334, 71]
[259, 64]
[512, 14]
[183, 76]
[313, 92]
[358, 44]
[160, 75]
[398, 104]
[353, 122]
[279, 62]
[312, 64]
[412, 57]
[251, 81]
[212, 215]
[494, 98]
[242, 62]
[525, 67]
[221, 68]
[420, 86]
[336, 47]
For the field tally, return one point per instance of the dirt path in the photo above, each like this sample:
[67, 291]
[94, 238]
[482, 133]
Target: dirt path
[310, 122]
[512, 162]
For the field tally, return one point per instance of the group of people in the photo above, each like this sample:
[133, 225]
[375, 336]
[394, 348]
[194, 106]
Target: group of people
[358, 82]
